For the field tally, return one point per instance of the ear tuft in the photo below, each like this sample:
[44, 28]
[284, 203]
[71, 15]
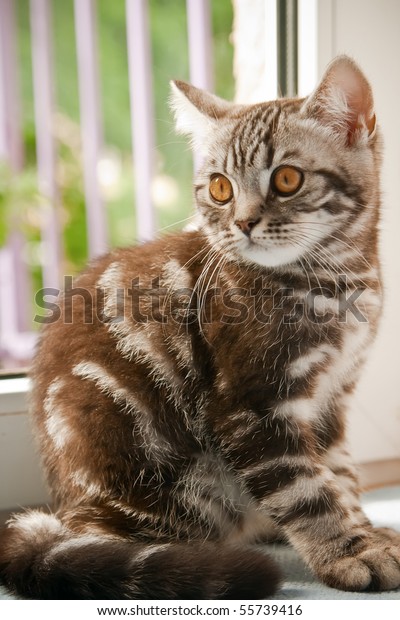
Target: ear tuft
[196, 111]
[343, 101]
[188, 119]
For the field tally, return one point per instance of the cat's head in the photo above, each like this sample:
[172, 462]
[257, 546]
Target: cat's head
[280, 181]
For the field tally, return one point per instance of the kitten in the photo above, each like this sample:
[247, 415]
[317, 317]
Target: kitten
[191, 398]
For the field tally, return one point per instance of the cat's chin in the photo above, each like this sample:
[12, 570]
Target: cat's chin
[270, 257]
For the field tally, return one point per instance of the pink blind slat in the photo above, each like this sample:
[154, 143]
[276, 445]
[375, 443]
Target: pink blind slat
[8, 317]
[142, 115]
[16, 345]
[14, 291]
[200, 43]
[200, 49]
[22, 286]
[11, 148]
[42, 54]
[89, 100]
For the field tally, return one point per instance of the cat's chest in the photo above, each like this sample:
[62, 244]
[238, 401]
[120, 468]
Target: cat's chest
[293, 346]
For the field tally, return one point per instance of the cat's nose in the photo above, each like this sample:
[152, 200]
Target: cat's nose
[246, 226]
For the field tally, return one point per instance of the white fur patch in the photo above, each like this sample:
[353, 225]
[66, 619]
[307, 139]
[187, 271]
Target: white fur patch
[176, 276]
[247, 422]
[37, 524]
[146, 553]
[139, 344]
[324, 306]
[210, 489]
[81, 480]
[155, 444]
[110, 283]
[56, 422]
[79, 541]
[346, 361]
[265, 177]
[256, 524]
[341, 369]
[104, 381]
[298, 409]
[273, 256]
[302, 487]
[303, 364]
[286, 460]
[337, 456]
[110, 278]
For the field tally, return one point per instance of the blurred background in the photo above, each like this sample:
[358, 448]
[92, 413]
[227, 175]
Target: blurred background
[43, 67]
[89, 158]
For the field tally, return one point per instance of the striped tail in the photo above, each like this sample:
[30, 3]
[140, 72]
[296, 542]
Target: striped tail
[41, 559]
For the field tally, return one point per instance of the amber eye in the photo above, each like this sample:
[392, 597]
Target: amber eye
[220, 189]
[286, 180]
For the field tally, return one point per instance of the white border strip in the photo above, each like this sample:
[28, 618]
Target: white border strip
[271, 50]
[310, 609]
[308, 44]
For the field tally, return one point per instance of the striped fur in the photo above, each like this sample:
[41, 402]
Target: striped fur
[196, 403]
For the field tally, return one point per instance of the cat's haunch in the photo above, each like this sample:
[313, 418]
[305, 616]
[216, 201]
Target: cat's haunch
[189, 397]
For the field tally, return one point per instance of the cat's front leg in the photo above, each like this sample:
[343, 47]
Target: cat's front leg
[338, 459]
[277, 461]
[335, 538]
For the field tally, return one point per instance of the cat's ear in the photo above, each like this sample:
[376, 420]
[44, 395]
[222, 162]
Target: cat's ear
[196, 111]
[343, 102]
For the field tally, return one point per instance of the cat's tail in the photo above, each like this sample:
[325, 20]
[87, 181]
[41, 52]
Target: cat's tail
[41, 559]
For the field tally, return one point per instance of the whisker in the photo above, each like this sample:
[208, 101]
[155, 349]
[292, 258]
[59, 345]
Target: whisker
[185, 219]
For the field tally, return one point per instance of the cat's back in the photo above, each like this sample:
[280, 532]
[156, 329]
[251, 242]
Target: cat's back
[105, 338]
[97, 299]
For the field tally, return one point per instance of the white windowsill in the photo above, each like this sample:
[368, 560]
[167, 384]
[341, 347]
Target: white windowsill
[21, 476]
[14, 395]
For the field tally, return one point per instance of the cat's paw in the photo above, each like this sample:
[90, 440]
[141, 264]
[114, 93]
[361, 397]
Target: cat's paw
[376, 567]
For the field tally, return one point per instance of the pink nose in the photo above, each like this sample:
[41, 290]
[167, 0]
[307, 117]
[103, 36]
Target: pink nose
[246, 225]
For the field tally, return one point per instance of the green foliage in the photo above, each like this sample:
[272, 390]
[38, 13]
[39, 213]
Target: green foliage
[20, 202]
[18, 197]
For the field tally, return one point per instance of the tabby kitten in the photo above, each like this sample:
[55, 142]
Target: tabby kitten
[190, 400]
